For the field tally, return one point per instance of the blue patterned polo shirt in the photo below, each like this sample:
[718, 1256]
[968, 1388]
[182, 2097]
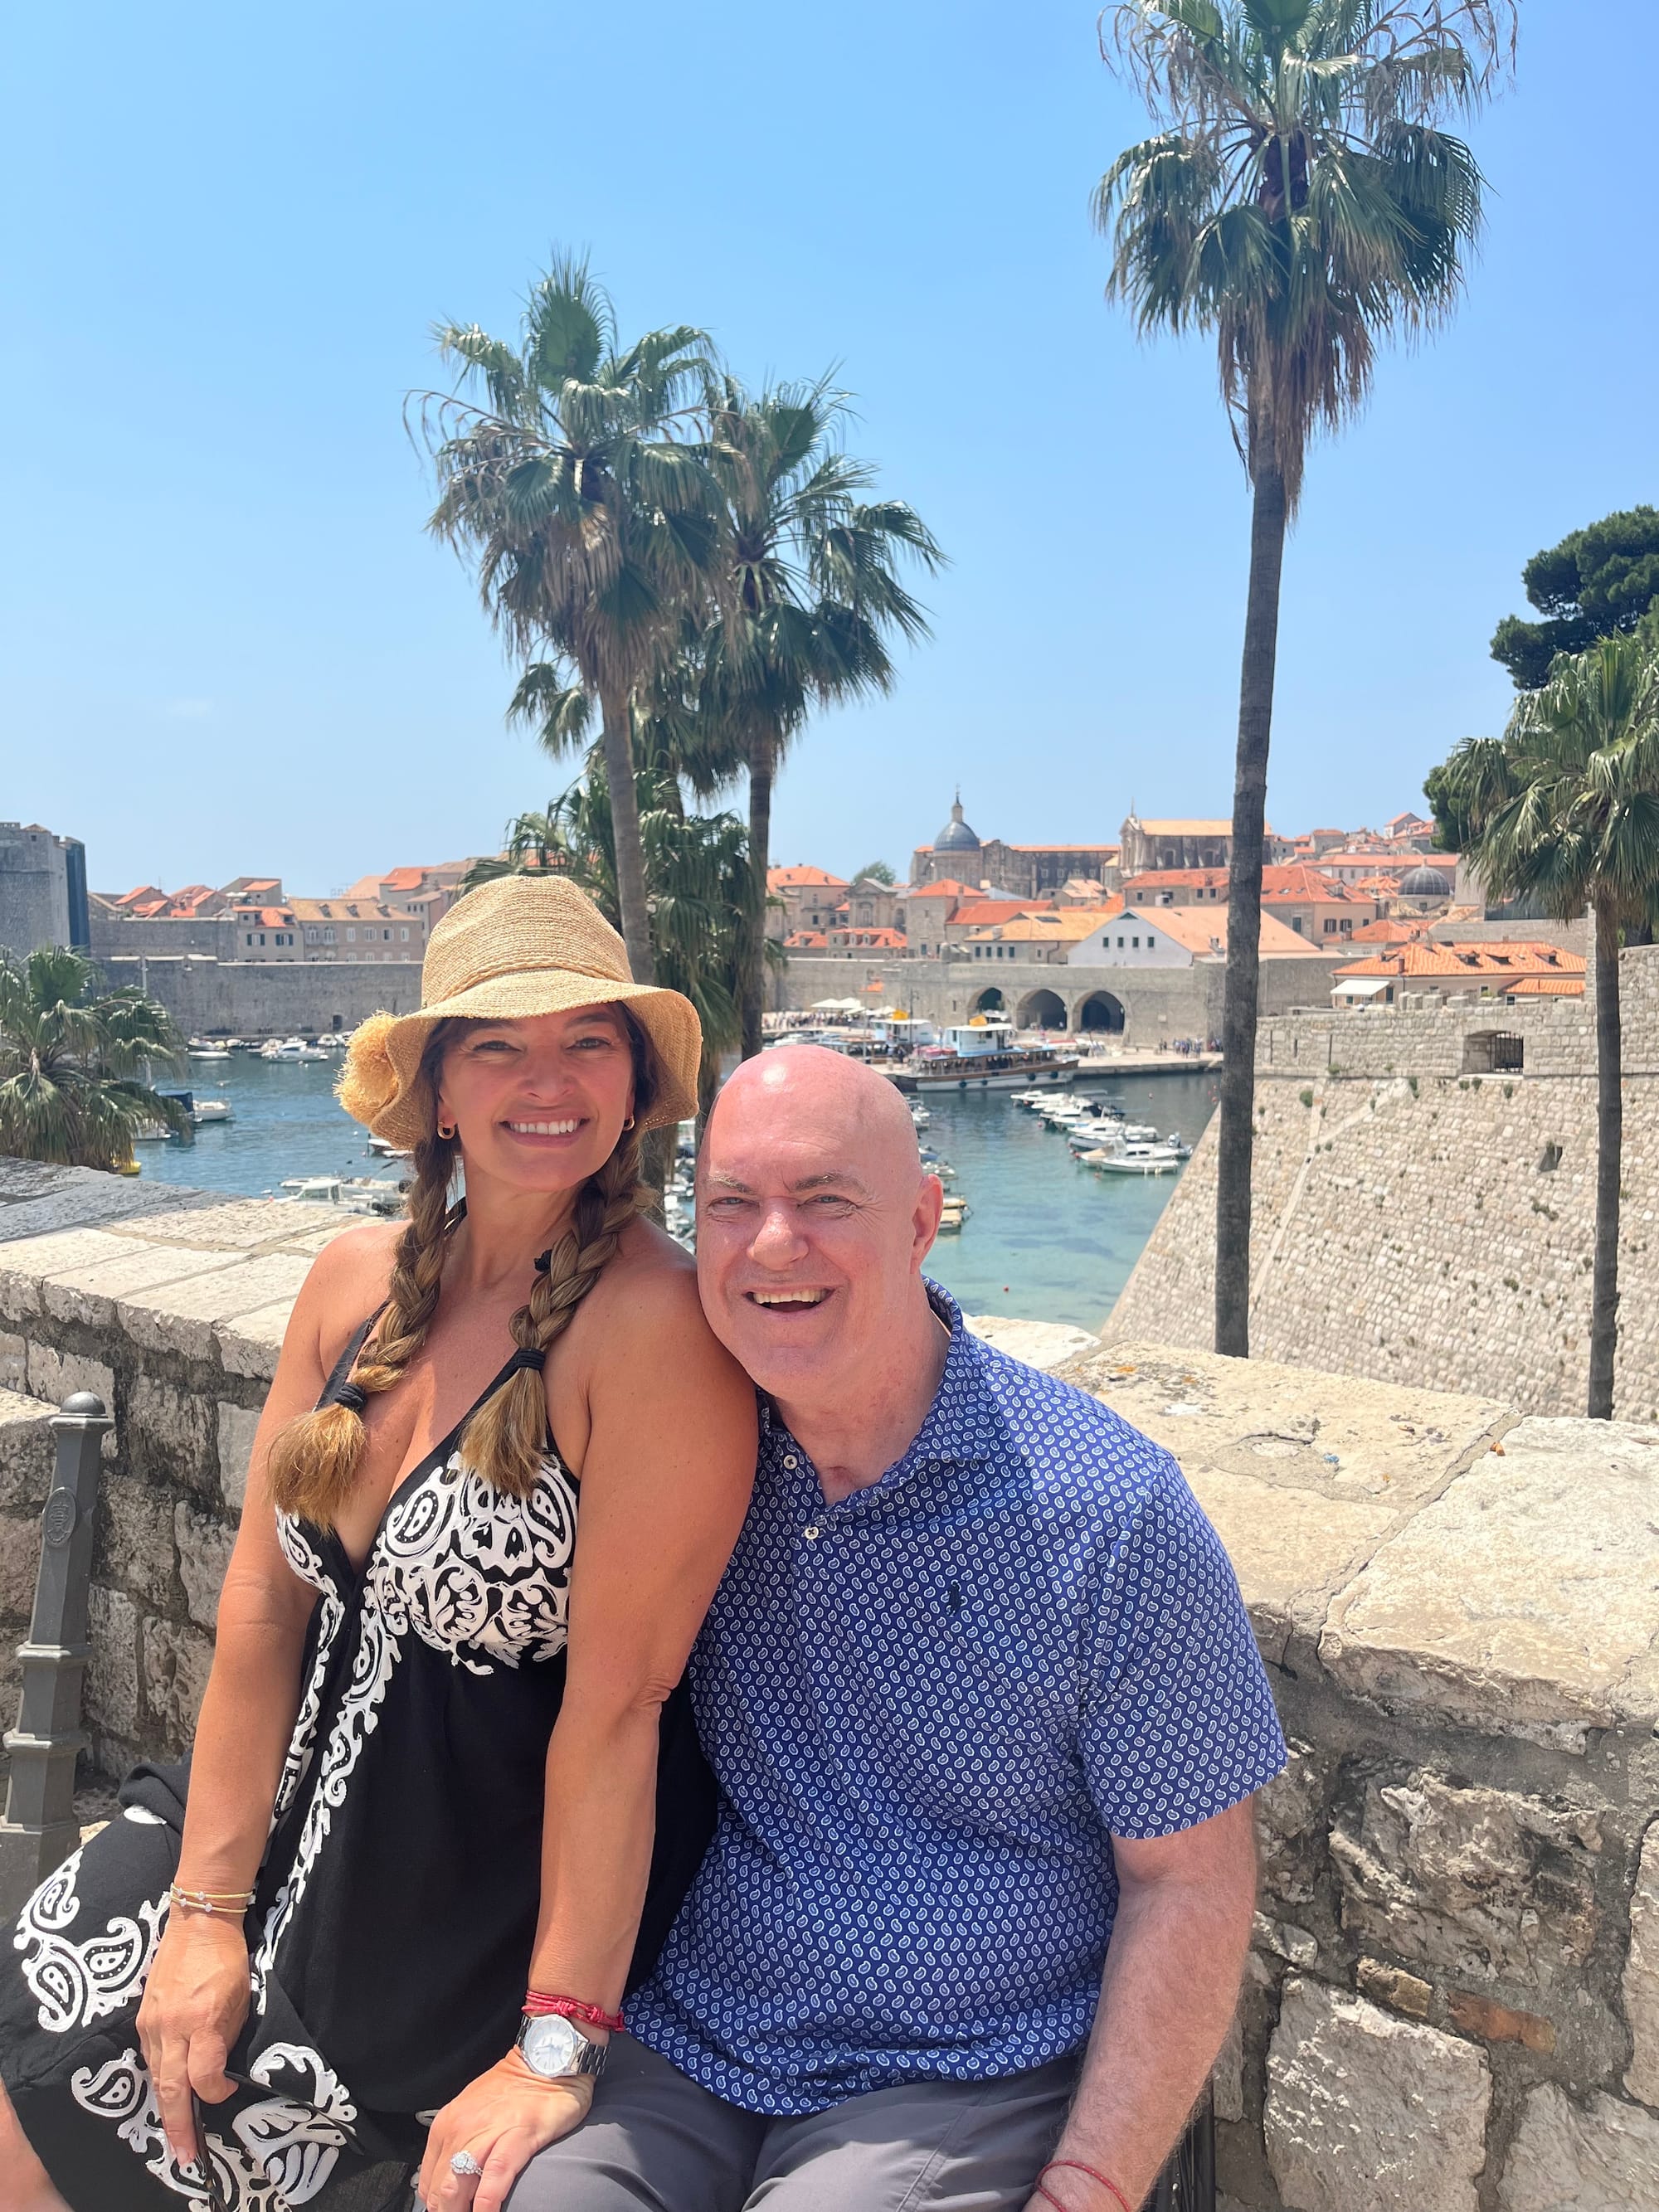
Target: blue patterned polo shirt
[929, 1708]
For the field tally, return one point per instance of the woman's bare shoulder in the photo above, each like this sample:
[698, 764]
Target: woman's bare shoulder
[346, 1281]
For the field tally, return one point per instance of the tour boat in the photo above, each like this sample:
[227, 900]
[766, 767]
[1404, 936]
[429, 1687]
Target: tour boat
[981, 1054]
[201, 1048]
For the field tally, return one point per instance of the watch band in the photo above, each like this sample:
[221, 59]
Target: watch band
[580, 2054]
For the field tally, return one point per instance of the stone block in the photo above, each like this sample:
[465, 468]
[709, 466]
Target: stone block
[1043, 1344]
[1281, 1941]
[57, 1199]
[1522, 1601]
[1641, 1983]
[1469, 1882]
[175, 1668]
[1227, 2076]
[132, 1548]
[1367, 2109]
[27, 1447]
[1477, 2015]
[1290, 1824]
[180, 1315]
[1602, 2156]
[25, 1261]
[14, 1361]
[54, 1375]
[241, 1226]
[92, 1292]
[238, 1425]
[20, 1563]
[170, 1434]
[249, 1345]
[111, 1679]
[203, 1543]
[1393, 1986]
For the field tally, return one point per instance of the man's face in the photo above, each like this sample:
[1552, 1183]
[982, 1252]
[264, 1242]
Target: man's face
[813, 1219]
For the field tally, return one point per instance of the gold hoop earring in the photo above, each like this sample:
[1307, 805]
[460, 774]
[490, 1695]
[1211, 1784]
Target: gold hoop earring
[628, 1124]
[446, 1130]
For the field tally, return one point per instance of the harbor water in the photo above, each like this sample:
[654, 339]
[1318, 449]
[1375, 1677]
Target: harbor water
[1046, 1237]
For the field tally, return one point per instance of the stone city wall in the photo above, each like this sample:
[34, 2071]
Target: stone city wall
[259, 998]
[1158, 1004]
[1453, 1996]
[1422, 1223]
[1452, 2001]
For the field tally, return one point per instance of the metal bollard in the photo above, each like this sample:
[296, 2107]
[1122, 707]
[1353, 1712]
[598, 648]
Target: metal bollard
[40, 1830]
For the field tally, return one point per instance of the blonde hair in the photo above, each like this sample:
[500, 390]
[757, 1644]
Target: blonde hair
[314, 1458]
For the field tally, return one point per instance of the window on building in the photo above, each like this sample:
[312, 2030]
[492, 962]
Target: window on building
[1330, 925]
[310, 937]
[1296, 923]
[249, 939]
[351, 937]
[1136, 942]
[328, 936]
[403, 933]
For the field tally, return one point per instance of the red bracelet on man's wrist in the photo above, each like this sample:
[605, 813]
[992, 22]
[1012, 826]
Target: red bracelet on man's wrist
[540, 2003]
[1076, 2166]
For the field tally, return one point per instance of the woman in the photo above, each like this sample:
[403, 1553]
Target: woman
[426, 1775]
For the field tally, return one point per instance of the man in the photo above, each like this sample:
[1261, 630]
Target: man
[986, 1714]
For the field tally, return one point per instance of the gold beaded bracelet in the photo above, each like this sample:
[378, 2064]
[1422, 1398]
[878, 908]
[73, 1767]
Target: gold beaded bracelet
[228, 1903]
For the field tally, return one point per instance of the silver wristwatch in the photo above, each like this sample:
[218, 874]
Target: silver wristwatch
[552, 2046]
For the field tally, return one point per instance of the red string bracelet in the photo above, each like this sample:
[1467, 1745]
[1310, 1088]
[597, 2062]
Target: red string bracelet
[1077, 2166]
[538, 2002]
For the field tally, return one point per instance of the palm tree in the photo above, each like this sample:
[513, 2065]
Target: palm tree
[1565, 808]
[812, 599]
[1299, 202]
[74, 1068]
[593, 520]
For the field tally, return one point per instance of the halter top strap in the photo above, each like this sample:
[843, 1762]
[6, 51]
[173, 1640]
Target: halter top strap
[348, 1359]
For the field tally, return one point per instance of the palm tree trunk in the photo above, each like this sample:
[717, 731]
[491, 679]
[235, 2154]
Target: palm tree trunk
[1256, 714]
[617, 743]
[762, 756]
[1609, 1146]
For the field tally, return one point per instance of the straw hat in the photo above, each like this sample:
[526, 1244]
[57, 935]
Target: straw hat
[520, 945]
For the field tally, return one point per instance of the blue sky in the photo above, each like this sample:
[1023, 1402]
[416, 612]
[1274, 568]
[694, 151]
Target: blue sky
[226, 645]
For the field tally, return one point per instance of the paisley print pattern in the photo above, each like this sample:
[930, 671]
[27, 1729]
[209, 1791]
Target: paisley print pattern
[78, 1983]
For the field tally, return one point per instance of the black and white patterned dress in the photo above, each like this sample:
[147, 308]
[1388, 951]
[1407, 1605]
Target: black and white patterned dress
[396, 1906]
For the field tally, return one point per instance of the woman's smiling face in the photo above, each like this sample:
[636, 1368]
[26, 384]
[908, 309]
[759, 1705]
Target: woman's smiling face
[540, 1103]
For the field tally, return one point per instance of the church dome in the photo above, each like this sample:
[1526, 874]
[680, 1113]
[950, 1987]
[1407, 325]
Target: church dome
[1425, 883]
[956, 836]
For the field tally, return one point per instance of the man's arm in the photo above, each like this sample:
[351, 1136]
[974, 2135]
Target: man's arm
[1167, 1998]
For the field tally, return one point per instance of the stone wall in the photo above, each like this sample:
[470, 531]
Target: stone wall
[260, 998]
[1453, 1996]
[1422, 1224]
[1452, 2001]
[170, 1305]
[1159, 1003]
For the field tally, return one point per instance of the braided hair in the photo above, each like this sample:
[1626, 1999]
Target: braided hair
[314, 1458]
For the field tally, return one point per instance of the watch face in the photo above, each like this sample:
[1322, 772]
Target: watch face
[552, 2045]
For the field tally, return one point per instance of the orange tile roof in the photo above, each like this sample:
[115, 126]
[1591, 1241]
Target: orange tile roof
[1389, 933]
[805, 940]
[947, 887]
[1069, 928]
[1546, 987]
[1501, 959]
[1202, 931]
[802, 878]
[984, 914]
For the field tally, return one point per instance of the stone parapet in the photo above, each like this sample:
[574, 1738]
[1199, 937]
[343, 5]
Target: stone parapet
[1453, 1996]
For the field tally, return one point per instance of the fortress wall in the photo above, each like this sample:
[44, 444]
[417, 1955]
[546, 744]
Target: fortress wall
[259, 998]
[1420, 1224]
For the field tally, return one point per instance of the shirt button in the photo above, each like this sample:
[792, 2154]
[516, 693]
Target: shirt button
[791, 1461]
[813, 1530]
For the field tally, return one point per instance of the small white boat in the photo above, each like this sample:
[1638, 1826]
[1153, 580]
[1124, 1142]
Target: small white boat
[284, 1048]
[1094, 1130]
[956, 1212]
[203, 1110]
[1062, 1113]
[920, 1115]
[384, 1149]
[201, 1049]
[1133, 1159]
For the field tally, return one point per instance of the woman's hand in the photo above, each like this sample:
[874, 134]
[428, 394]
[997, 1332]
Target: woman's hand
[195, 1998]
[503, 2118]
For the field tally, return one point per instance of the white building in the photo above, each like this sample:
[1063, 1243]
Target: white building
[1177, 937]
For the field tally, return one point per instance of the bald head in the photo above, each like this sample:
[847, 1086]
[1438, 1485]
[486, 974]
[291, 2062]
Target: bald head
[823, 1097]
[814, 1216]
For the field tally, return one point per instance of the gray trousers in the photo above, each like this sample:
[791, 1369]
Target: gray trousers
[655, 2139]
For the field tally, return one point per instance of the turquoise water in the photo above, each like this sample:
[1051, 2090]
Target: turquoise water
[1045, 1238]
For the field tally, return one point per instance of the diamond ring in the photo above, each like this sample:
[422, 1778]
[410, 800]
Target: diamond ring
[464, 2162]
